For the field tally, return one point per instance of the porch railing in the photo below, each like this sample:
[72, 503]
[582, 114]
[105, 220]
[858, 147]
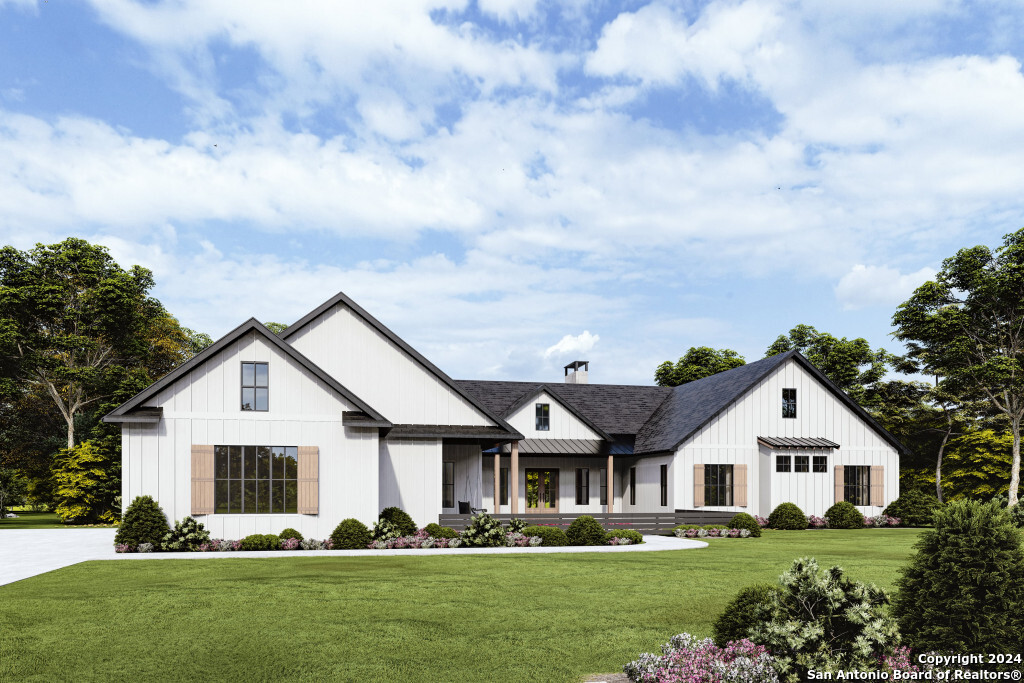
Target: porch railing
[644, 522]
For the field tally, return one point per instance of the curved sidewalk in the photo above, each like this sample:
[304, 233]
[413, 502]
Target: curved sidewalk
[29, 552]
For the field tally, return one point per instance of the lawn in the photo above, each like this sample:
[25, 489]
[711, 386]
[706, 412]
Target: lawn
[431, 618]
[27, 519]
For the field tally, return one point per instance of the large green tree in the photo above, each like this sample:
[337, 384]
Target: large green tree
[696, 363]
[967, 326]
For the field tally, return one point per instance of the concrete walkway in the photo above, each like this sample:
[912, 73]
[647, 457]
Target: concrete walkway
[28, 552]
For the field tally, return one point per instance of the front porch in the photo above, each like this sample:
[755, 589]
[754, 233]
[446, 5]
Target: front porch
[644, 522]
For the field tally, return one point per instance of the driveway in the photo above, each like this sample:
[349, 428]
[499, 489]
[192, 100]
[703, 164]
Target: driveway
[28, 552]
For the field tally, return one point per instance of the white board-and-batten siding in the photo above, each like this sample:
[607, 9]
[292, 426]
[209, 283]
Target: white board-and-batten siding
[379, 372]
[204, 407]
[561, 423]
[410, 477]
[731, 438]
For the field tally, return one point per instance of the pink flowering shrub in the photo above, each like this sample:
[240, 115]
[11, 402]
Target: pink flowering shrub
[901, 660]
[290, 544]
[761, 521]
[685, 659]
[619, 541]
[816, 522]
[124, 548]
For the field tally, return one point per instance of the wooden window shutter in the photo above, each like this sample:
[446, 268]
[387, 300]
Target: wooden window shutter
[839, 484]
[698, 486]
[740, 487]
[309, 480]
[202, 480]
[878, 486]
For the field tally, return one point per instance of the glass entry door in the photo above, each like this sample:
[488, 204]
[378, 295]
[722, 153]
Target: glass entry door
[542, 490]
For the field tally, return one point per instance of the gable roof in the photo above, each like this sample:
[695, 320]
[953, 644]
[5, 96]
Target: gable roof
[545, 388]
[341, 298]
[210, 351]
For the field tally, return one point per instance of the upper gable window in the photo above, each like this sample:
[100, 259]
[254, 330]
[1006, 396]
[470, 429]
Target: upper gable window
[543, 417]
[789, 403]
[255, 386]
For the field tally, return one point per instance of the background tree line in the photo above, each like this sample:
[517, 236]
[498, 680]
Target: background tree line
[964, 333]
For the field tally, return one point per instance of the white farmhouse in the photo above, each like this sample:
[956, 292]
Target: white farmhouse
[338, 417]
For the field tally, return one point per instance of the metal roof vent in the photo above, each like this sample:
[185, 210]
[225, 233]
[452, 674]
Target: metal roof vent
[579, 372]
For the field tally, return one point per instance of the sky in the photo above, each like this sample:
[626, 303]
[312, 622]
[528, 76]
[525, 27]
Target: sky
[511, 185]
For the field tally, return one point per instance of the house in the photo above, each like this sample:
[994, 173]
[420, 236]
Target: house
[338, 417]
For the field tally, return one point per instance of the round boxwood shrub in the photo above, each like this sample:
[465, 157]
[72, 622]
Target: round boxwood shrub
[290, 533]
[437, 531]
[401, 519]
[143, 522]
[787, 516]
[746, 610]
[634, 536]
[844, 515]
[970, 564]
[914, 508]
[741, 520]
[550, 535]
[350, 534]
[261, 542]
[585, 530]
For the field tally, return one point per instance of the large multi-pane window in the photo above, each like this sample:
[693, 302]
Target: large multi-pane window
[448, 485]
[857, 484]
[255, 479]
[583, 486]
[604, 487]
[543, 417]
[789, 403]
[255, 386]
[664, 485]
[718, 484]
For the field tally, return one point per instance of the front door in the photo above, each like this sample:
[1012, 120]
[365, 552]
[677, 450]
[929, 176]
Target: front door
[542, 490]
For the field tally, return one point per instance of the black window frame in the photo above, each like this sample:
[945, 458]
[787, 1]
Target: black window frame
[503, 484]
[542, 413]
[632, 486]
[802, 463]
[448, 484]
[819, 464]
[783, 463]
[719, 485]
[857, 484]
[664, 485]
[255, 387]
[789, 403]
[583, 486]
[255, 480]
[604, 487]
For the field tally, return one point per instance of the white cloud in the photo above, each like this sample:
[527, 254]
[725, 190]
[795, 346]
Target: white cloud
[573, 344]
[509, 10]
[865, 286]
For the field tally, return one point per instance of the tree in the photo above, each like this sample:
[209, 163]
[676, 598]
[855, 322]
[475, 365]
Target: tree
[87, 479]
[12, 489]
[967, 326]
[276, 328]
[698, 362]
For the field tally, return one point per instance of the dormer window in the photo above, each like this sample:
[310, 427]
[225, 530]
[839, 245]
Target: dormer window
[789, 403]
[543, 417]
[255, 387]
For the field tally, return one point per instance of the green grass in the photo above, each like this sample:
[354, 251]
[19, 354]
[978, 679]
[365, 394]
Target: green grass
[430, 618]
[42, 520]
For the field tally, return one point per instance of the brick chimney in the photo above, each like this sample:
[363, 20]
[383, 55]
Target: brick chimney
[579, 372]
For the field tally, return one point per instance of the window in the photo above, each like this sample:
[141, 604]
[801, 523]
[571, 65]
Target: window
[255, 394]
[782, 463]
[543, 417]
[255, 479]
[582, 486]
[632, 486]
[821, 463]
[664, 485]
[857, 484]
[789, 403]
[718, 484]
[448, 485]
[801, 463]
[503, 482]
[604, 487]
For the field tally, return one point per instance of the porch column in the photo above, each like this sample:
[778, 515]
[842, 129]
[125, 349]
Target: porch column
[611, 483]
[497, 481]
[514, 476]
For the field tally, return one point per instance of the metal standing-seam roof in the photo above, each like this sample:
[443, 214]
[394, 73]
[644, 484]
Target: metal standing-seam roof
[784, 442]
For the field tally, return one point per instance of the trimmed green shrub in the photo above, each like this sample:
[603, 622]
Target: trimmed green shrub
[742, 613]
[824, 621]
[401, 519]
[350, 534]
[914, 508]
[260, 542]
[844, 515]
[516, 525]
[684, 527]
[741, 520]
[963, 590]
[550, 535]
[713, 526]
[187, 536]
[437, 531]
[144, 522]
[585, 530]
[1016, 512]
[483, 531]
[787, 516]
[290, 533]
[634, 536]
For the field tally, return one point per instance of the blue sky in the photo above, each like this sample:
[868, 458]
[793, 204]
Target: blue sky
[514, 184]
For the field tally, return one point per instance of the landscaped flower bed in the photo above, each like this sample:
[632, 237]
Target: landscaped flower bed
[711, 533]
